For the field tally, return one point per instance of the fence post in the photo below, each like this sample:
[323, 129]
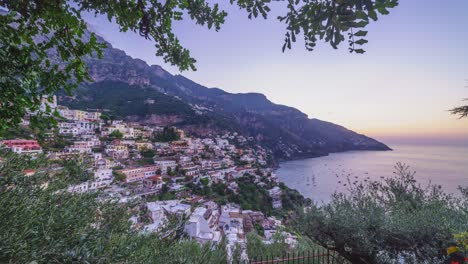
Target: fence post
[322, 258]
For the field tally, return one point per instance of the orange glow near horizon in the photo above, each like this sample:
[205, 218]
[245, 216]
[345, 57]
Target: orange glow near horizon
[447, 129]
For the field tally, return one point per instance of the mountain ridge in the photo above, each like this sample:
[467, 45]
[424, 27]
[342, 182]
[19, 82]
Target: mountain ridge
[136, 91]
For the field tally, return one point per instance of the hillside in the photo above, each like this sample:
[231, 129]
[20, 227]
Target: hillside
[131, 89]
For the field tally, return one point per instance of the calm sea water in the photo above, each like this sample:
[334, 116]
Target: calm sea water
[318, 178]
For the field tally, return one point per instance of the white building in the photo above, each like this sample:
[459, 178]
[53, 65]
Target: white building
[78, 127]
[275, 194]
[165, 164]
[222, 142]
[202, 226]
[232, 223]
[102, 178]
[103, 175]
[128, 132]
[81, 147]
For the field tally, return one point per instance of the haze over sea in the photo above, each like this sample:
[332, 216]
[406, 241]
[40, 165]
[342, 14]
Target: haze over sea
[318, 178]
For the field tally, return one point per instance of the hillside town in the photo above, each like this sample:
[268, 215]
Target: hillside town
[210, 184]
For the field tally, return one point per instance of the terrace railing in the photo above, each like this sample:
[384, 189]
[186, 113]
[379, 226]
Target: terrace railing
[318, 256]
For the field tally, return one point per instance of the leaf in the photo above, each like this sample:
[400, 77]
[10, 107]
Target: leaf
[372, 14]
[361, 24]
[360, 33]
[361, 41]
[383, 11]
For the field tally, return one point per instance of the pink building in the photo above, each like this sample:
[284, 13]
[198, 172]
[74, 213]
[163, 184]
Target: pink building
[140, 173]
[23, 146]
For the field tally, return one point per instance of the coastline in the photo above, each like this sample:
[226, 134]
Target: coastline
[313, 156]
[441, 165]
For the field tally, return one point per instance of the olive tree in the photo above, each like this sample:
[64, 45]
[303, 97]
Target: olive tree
[382, 221]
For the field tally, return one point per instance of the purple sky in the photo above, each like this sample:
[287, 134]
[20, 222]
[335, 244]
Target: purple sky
[415, 68]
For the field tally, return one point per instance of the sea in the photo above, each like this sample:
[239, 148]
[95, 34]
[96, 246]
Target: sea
[318, 178]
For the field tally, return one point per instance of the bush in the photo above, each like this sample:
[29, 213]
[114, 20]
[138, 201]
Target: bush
[118, 176]
[378, 222]
[167, 135]
[256, 248]
[148, 153]
[250, 197]
[116, 134]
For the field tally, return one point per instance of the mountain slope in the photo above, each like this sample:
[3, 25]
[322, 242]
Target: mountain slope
[131, 89]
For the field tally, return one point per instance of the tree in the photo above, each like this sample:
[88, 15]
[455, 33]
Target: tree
[256, 248]
[44, 43]
[119, 176]
[44, 224]
[147, 153]
[116, 134]
[170, 172]
[167, 135]
[378, 222]
[461, 111]
[205, 181]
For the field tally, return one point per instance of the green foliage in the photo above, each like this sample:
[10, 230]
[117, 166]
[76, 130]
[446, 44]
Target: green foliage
[122, 100]
[205, 181]
[170, 172]
[148, 153]
[147, 157]
[118, 176]
[199, 189]
[56, 142]
[256, 248]
[29, 61]
[250, 197]
[45, 225]
[259, 229]
[291, 199]
[145, 161]
[167, 196]
[379, 221]
[219, 188]
[461, 111]
[74, 170]
[332, 20]
[116, 134]
[44, 44]
[17, 132]
[167, 135]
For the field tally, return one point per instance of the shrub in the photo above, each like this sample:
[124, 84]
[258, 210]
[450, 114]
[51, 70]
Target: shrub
[379, 222]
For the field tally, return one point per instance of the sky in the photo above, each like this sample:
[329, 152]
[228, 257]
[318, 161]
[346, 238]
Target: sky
[414, 70]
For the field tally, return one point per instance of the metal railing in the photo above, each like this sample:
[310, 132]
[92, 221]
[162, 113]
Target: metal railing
[318, 256]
